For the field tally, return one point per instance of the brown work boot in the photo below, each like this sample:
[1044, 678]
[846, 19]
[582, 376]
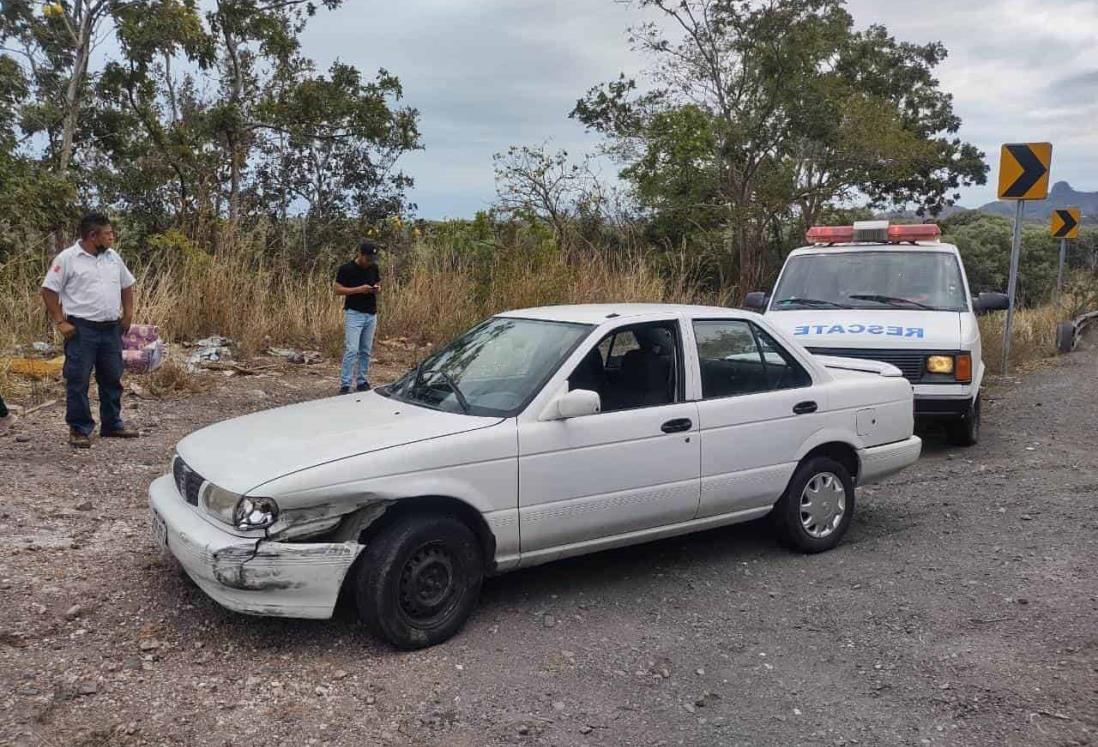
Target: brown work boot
[122, 432]
[78, 440]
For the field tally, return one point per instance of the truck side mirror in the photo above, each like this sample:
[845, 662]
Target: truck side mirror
[756, 301]
[986, 302]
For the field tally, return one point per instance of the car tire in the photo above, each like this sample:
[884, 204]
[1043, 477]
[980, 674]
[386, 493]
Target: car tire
[966, 430]
[418, 580]
[816, 509]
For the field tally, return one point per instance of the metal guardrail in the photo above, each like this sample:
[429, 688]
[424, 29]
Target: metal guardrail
[1068, 333]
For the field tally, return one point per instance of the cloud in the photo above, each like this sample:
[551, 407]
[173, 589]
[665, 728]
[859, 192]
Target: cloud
[487, 74]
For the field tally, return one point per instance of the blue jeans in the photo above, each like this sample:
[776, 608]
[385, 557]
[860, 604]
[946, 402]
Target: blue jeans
[98, 347]
[358, 339]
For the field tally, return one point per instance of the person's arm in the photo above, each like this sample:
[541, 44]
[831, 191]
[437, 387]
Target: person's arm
[342, 290]
[51, 290]
[56, 314]
[127, 281]
[127, 309]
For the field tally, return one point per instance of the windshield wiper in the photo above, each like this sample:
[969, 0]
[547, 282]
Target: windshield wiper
[893, 301]
[449, 382]
[812, 302]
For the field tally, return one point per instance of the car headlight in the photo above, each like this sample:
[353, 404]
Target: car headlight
[242, 512]
[255, 513]
[220, 503]
[940, 364]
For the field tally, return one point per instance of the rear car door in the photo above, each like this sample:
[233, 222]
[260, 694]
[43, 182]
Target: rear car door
[757, 407]
[634, 465]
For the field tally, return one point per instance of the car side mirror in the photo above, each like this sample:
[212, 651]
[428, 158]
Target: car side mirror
[756, 301]
[574, 404]
[986, 302]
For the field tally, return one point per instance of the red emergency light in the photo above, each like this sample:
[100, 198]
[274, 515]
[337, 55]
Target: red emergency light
[921, 232]
[830, 234]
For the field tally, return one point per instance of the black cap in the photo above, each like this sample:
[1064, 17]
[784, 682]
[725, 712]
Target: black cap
[368, 248]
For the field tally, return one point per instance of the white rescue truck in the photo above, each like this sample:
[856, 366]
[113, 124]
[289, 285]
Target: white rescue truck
[893, 294]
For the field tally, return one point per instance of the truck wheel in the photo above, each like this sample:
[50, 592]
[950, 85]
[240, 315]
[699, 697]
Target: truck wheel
[966, 430]
[418, 580]
[814, 512]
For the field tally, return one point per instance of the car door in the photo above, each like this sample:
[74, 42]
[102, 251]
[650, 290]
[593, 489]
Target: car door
[634, 465]
[757, 407]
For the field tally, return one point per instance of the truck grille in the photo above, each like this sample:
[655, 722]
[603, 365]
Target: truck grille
[187, 481]
[911, 362]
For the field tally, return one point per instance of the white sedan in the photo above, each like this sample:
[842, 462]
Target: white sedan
[537, 435]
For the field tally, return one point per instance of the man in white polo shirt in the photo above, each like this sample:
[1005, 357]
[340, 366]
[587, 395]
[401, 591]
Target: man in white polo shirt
[89, 296]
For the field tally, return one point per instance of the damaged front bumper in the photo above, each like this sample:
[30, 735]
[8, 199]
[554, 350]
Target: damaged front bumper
[250, 575]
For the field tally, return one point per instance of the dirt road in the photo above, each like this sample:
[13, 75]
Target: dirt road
[962, 609]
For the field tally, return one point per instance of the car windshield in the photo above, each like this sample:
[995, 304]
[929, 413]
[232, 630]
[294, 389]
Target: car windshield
[494, 369]
[888, 279]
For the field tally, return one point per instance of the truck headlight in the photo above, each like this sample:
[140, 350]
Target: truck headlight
[255, 513]
[939, 364]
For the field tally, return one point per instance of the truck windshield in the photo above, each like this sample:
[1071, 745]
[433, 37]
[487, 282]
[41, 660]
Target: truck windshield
[887, 279]
[493, 369]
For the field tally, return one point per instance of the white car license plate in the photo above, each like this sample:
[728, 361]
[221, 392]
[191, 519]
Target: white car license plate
[159, 531]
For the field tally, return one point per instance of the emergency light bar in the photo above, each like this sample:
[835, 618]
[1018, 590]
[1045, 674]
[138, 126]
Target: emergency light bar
[877, 232]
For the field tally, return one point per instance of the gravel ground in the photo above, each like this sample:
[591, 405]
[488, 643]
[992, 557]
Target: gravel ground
[961, 609]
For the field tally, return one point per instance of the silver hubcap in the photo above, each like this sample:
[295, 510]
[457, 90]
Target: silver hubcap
[823, 505]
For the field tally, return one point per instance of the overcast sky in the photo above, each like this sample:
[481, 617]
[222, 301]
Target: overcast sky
[486, 74]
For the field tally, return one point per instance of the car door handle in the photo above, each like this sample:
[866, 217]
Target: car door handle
[678, 425]
[803, 408]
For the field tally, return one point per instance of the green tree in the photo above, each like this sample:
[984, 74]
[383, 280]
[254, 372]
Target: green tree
[985, 243]
[333, 142]
[757, 117]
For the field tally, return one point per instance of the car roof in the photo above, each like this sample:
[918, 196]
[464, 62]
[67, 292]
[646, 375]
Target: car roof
[597, 313]
[920, 246]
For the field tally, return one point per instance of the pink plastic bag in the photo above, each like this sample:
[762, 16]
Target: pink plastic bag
[142, 348]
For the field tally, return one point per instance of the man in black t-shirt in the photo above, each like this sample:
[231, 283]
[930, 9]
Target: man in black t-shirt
[358, 282]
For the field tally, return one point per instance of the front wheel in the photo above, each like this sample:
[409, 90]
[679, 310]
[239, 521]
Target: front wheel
[815, 511]
[966, 431]
[418, 580]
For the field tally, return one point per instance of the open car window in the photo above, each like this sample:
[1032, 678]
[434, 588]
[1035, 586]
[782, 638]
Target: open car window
[638, 366]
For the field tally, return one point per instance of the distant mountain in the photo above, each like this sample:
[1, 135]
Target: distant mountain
[1061, 196]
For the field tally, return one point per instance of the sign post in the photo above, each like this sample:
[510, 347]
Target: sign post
[1023, 175]
[1065, 226]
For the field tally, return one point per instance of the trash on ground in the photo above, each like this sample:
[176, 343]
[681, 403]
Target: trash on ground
[295, 356]
[210, 350]
[36, 368]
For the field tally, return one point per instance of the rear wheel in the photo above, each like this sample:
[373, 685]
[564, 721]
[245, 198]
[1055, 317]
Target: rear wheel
[966, 431]
[815, 511]
[418, 580]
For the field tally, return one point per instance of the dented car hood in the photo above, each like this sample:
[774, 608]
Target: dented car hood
[243, 453]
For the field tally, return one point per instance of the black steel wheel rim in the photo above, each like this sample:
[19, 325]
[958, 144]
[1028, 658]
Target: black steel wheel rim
[429, 584]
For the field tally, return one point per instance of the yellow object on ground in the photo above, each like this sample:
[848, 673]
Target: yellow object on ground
[37, 368]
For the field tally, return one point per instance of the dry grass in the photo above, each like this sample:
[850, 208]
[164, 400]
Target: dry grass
[173, 380]
[431, 291]
[257, 301]
[1033, 339]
